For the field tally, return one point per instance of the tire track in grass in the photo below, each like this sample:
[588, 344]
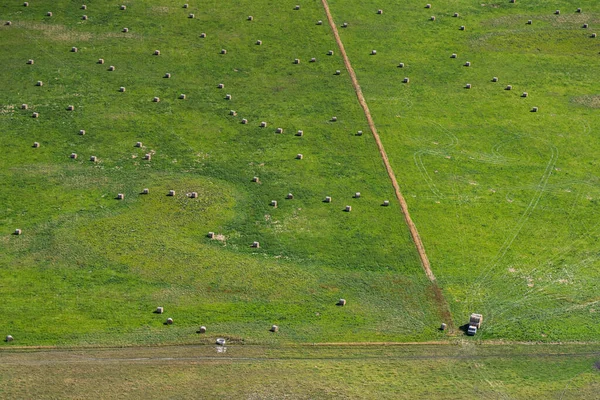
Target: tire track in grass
[441, 302]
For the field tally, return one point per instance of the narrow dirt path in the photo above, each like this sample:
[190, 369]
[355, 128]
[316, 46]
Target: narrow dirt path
[437, 294]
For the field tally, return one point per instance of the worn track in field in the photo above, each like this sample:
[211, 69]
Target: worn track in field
[438, 296]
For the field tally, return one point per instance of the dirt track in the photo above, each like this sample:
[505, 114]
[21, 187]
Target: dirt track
[437, 293]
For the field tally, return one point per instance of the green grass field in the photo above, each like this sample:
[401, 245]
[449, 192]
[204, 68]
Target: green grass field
[505, 199]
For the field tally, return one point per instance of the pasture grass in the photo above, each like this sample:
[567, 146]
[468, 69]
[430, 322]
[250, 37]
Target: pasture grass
[505, 200]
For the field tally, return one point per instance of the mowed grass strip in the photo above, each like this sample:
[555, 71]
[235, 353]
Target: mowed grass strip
[89, 269]
[505, 199]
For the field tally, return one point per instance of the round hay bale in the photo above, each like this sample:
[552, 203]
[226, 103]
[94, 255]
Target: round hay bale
[101, 61]
[338, 72]
[186, 5]
[319, 22]
[36, 145]
[122, 89]
[138, 144]
[578, 10]
[462, 28]
[120, 196]
[255, 179]
[468, 86]
[585, 26]
[453, 55]
[123, 7]
[297, 7]
[593, 35]
[289, 196]
[401, 65]
[70, 108]
[557, 12]
[405, 80]
[202, 329]
[356, 195]
[274, 328]
[84, 17]
[194, 195]
[24, 106]
[35, 115]
[111, 68]
[49, 14]
[345, 25]
[182, 96]
[427, 5]
[534, 109]
[279, 130]
[529, 22]
[171, 193]
[39, 83]
[148, 156]
[145, 191]
[525, 94]
[259, 42]
[432, 18]
[203, 35]
[125, 30]
[221, 342]
[333, 119]
[18, 232]
[312, 60]
[223, 51]
[232, 112]
[379, 12]
[359, 133]
[156, 52]
[9, 338]
[296, 61]
[263, 124]
[327, 199]
[513, 1]
[455, 15]
[82, 132]
[495, 79]
[159, 310]
[210, 235]
[30, 61]
[300, 133]
[468, 64]
[227, 97]
[330, 53]
[169, 321]
[299, 156]
[26, 4]
[156, 99]
[244, 121]
[250, 18]
[73, 156]
[93, 158]
[348, 208]
[191, 16]
[8, 23]
[386, 203]
[255, 245]
[274, 203]
[220, 86]
[373, 52]
[167, 75]
[83, 7]
[508, 87]
[443, 327]
[341, 302]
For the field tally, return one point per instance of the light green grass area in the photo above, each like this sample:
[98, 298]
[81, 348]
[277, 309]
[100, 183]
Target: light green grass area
[90, 269]
[394, 372]
[505, 200]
